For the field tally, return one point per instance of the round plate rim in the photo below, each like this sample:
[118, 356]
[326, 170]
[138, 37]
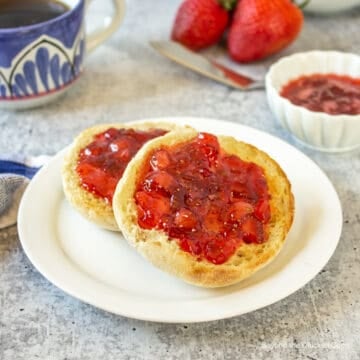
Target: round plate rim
[176, 318]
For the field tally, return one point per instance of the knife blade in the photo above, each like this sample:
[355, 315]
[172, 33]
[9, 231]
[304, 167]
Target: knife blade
[210, 68]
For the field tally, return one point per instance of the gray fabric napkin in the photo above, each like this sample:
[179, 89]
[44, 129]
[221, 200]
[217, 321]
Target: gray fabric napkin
[15, 173]
[11, 189]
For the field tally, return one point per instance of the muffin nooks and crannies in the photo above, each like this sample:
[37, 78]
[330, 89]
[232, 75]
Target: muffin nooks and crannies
[96, 161]
[210, 210]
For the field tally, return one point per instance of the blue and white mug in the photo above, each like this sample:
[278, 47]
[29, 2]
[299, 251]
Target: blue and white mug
[39, 62]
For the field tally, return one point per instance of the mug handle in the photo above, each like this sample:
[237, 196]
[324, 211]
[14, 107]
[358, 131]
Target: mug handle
[99, 35]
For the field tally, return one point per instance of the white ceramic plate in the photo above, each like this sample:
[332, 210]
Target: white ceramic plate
[98, 267]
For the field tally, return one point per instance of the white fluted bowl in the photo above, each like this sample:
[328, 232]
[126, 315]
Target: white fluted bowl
[333, 133]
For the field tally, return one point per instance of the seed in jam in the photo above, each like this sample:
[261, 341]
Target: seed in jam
[102, 163]
[208, 201]
[329, 93]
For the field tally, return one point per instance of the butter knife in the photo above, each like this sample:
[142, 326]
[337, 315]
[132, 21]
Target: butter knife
[207, 67]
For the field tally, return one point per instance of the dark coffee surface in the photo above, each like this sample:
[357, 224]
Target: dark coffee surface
[16, 13]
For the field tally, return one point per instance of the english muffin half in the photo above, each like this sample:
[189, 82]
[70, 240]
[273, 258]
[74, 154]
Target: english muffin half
[96, 161]
[209, 210]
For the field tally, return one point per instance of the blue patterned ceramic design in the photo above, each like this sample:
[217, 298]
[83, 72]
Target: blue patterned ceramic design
[42, 68]
[42, 59]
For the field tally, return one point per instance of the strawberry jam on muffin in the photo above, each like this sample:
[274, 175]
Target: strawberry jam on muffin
[97, 160]
[210, 210]
[208, 201]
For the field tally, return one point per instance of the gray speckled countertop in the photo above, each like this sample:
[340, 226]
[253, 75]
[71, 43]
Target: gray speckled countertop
[126, 80]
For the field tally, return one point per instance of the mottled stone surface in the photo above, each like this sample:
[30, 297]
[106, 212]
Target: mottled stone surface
[126, 80]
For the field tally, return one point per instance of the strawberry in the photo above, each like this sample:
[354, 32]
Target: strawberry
[262, 27]
[201, 23]
[97, 181]
[253, 231]
[209, 145]
[151, 209]
[184, 218]
[238, 210]
[160, 180]
[160, 160]
[262, 211]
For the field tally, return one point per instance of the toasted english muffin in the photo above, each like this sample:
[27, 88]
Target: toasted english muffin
[165, 252]
[93, 207]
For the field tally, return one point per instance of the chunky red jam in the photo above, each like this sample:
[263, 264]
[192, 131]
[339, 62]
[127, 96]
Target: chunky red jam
[329, 93]
[209, 201]
[102, 163]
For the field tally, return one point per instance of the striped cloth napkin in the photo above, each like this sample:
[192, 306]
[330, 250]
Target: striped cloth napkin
[15, 173]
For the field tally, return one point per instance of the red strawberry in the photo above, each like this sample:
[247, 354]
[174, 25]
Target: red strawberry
[238, 210]
[151, 209]
[160, 160]
[262, 211]
[97, 181]
[262, 27]
[201, 23]
[184, 218]
[253, 231]
[209, 145]
[160, 180]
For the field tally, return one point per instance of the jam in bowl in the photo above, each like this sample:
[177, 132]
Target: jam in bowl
[329, 93]
[316, 96]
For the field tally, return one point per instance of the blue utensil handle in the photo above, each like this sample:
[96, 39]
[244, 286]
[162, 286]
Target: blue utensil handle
[13, 167]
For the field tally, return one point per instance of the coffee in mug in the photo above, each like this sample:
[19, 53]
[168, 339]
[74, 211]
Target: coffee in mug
[15, 13]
